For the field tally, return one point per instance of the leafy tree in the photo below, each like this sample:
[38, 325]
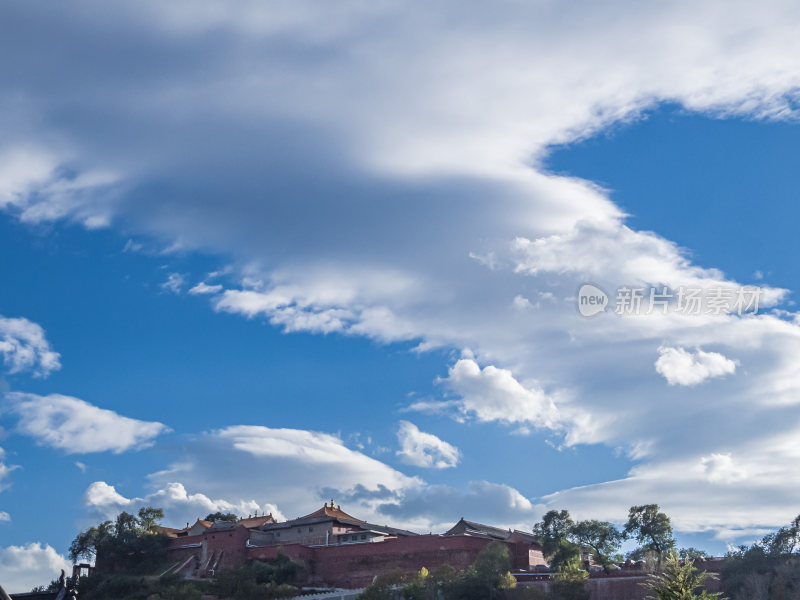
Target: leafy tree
[569, 581]
[680, 581]
[385, 586]
[220, 516]
[767, 570]
[784, 541]
[650, 527]
[601, 536]
[421, 587]
[488, 577]
[432, 585]
[243, 584]
[134, 541]
[554, 527]
[149, 518]
[280, 570]
[554, 532]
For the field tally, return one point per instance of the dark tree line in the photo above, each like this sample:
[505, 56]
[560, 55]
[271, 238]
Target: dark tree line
[563, 540]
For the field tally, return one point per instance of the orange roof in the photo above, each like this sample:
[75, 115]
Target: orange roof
[330, 511]
[252, 522]
[169, 531]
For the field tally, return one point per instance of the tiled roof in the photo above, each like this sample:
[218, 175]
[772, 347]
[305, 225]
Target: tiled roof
[253, 522]
[330, 511]
[464, 527]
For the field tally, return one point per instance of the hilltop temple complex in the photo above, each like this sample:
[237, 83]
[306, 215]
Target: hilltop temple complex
[337, 549]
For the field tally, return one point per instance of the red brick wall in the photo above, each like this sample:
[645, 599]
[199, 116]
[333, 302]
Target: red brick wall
[356, 565]
[347, 566]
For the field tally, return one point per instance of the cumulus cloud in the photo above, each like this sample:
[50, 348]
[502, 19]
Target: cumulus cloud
[492, 394]
[29, 565]
[104, 502]
[426, 215]
[75, 426]
[305, 468]
[682, 367]
[422, 449]
[4, 516]
[721, 468]
[25, 348]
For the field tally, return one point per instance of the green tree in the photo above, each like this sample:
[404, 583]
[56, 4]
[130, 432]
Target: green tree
[491, 568]
[133, 541]
[569, 581]
[149, 518]
[650, 527]
[553, 532]
[680, 581]
[601, 537]
[784, 541]
[421, 587]
[387, 586]
[554, 527]
[220, 516]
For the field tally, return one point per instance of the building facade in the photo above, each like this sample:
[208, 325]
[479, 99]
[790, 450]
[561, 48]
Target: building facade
[339, 550]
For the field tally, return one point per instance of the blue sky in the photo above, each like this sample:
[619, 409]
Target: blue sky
[259, 255]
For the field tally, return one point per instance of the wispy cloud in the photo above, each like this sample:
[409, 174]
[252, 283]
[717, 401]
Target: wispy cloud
[77, 427]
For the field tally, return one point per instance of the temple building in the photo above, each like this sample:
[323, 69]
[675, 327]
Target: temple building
[337, 549]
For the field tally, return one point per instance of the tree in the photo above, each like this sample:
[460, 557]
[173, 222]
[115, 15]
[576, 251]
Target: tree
[220, 516]
[784, 541]
[553, 532]
[134, 539]
[385, 586]
[650, 527]
[553, 529]
[149, 518]
[492, 566]
[601, 536]
[680, 581]
[569, 581]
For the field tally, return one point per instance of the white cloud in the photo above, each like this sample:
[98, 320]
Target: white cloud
[25, 348]
[204, 288]
[422, 449]
[5, 469]
[436, 508]
[174, 283]
[4, 516]
[305, 468]
[492, 394]
[81, 466]
[76, 426]
[681, 367]
[104, 502]
[406, 187]
[721, 468]
[23, 567]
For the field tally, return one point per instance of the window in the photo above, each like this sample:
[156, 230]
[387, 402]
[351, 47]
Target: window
[278, 534]
[310, 529]
[344, 538]
[363, 536]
